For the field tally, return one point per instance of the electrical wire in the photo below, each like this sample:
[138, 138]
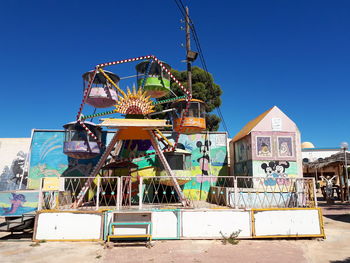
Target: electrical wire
[182, 9]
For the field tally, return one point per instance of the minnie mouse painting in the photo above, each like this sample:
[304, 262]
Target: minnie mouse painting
[276, 169]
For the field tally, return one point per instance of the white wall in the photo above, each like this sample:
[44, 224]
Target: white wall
[314, 154]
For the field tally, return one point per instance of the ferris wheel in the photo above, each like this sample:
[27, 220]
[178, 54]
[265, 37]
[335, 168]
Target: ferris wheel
[103, 90]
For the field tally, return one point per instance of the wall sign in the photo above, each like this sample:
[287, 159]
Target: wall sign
[276, 124]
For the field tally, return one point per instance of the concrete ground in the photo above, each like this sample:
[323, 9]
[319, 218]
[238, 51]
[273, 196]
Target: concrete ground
[335, 248]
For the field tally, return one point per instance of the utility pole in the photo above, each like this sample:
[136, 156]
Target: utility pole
[188, 48]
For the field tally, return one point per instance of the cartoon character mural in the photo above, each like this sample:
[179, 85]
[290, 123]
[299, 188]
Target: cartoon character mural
[18, 203]
[204, 160]
[285, 147]
[263, 146]
[208, 158]
[276, 173]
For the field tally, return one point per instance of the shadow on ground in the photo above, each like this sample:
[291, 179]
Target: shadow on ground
[342, 218]
[25, 236]
[347, 260]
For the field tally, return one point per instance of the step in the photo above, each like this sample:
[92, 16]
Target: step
[14, 219]
[17, 223]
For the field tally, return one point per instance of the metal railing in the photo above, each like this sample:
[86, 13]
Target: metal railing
[103, 192]
[242, 192]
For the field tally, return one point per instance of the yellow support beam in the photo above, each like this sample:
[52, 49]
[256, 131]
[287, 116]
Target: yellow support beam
[111, 81]
[164, 138]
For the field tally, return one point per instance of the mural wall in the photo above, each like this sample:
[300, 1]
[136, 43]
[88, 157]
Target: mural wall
[17, 203]
[48, 160]
[46, 157]
[208, 158]
[13, 154]
[275, 169]
[273, 146]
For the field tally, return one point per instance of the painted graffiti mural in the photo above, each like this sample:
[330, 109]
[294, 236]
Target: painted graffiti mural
[263, 146]
[13, 155]
[133, 148]
[208, 158]
[17, 203]
[48, 160]
[204, 160]
[285, 146]
[273, 146]
[275, 171]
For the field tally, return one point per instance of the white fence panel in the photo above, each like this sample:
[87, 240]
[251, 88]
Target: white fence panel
[165, 224]
[296, 222]
[209, 224]
[68, 226]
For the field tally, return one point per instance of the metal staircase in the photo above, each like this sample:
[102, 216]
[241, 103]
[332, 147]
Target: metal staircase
[18, 223]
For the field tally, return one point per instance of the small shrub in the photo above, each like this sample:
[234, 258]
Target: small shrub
[232, 239]
[35, 244]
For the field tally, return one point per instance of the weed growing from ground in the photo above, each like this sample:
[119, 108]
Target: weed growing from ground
[232, 239]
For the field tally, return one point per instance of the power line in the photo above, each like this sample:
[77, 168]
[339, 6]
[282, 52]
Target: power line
[182, 9]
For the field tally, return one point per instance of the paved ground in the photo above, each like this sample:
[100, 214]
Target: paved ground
[336, 248]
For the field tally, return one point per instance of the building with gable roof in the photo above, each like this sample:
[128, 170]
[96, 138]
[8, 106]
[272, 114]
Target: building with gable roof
[268, 145]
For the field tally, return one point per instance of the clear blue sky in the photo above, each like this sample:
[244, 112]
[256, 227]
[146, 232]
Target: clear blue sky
[293, 54]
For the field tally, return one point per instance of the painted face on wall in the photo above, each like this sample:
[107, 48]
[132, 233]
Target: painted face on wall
[269, 168]
[284, 149]
[285, 146]
[264, 150]
[281, 168]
